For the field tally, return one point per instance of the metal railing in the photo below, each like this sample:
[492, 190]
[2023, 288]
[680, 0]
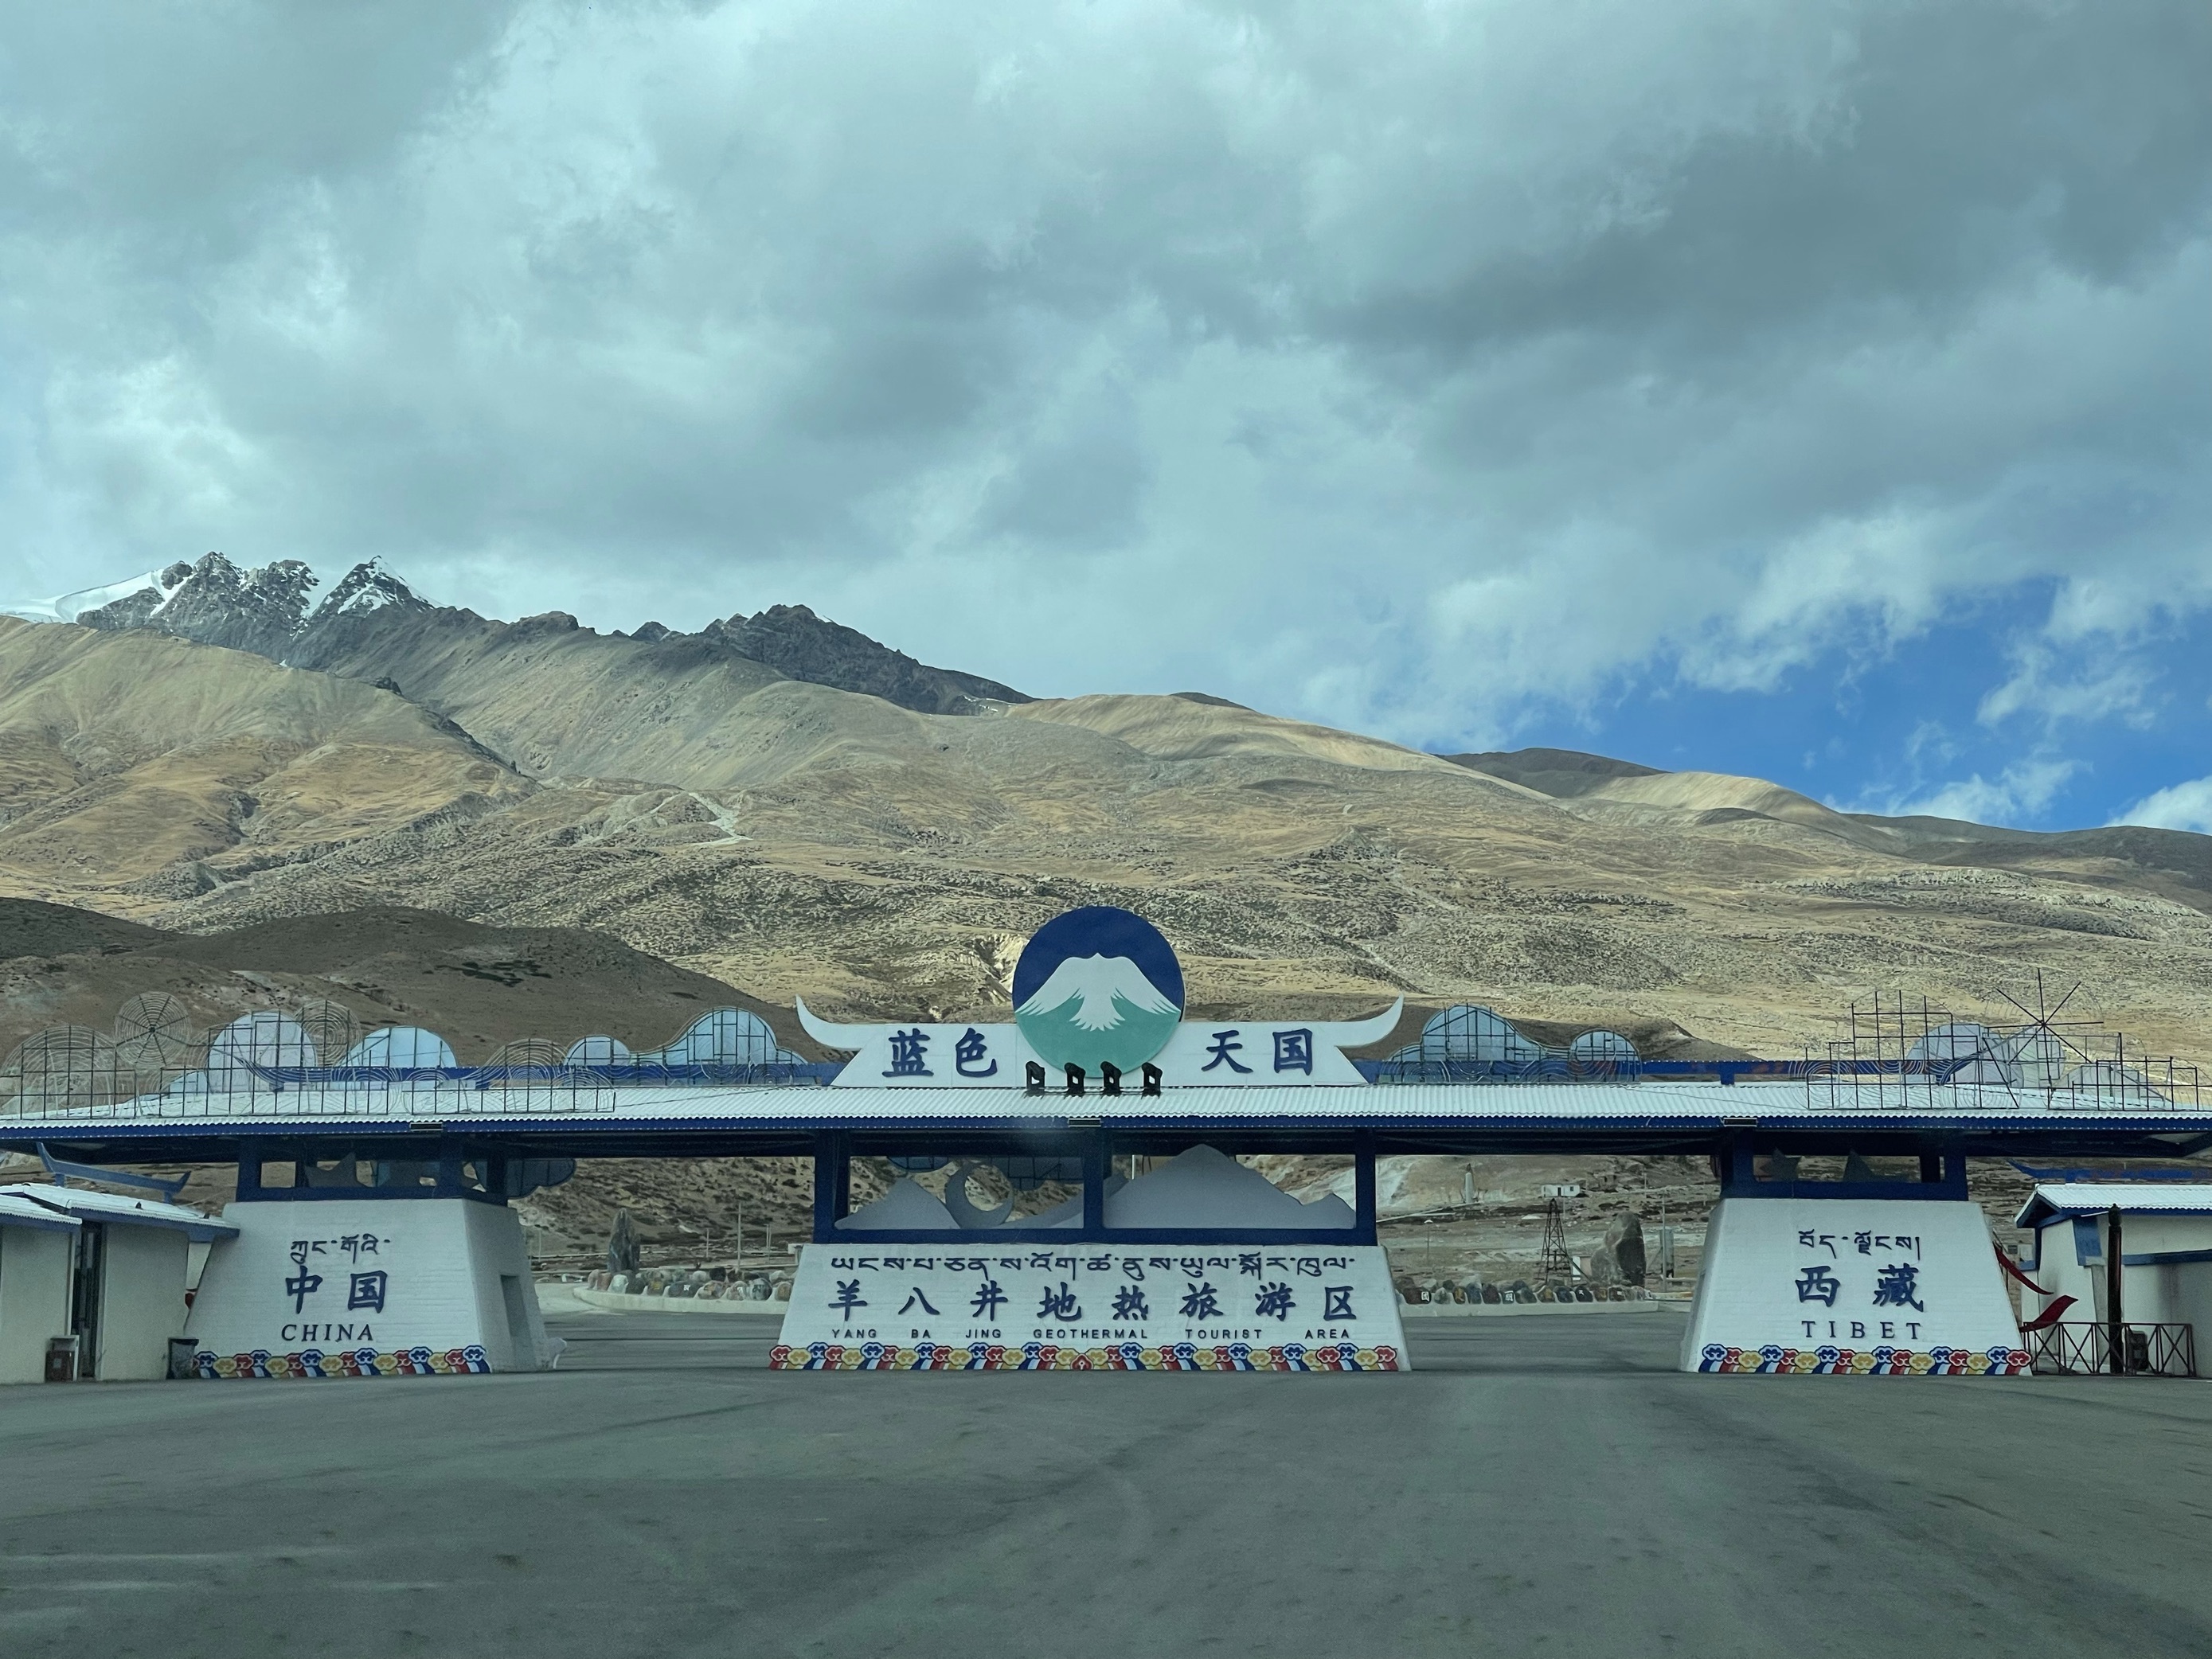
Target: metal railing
[249, 1092]
[314, 1061]
[2084, 1348]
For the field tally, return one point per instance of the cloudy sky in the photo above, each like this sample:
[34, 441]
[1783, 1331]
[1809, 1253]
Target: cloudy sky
[1822, 391]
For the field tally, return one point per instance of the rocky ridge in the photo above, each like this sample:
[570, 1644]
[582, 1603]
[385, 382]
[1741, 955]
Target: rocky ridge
[369, 625]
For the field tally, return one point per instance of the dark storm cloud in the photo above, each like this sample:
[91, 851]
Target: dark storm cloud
[1953, 146]
[1344, 359]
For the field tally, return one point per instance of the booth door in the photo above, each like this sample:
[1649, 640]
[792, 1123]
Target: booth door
[85, 1286]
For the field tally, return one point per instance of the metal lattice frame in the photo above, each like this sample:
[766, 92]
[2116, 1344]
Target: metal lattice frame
[1896, 1053]
[332, 1029]
[1554, 1261]
[66, 1067]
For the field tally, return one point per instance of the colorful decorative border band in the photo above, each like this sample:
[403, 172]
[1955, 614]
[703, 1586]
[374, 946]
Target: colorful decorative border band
[1776, 1360]
[353, 1361]
[1045, 1356]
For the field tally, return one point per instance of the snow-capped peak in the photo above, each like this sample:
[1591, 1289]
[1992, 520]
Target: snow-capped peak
[218, 602]
[1097, 982]
[370, 586]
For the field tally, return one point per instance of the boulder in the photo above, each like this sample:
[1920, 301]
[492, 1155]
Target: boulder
[1624, 1244]
[622, 1244]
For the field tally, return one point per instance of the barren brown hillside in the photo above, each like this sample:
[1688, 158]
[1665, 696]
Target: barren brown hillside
[127, 759]
[512, 861]
[787, 838]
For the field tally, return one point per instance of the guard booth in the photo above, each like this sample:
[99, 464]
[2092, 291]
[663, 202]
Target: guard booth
[2120, 1278]
[1861, 1275]
[350, 1265]
[38, 1254]
[126, 1270]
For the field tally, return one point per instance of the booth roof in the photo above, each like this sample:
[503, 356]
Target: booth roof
[2056, 1203]
[22, 1212]
[84, 1205]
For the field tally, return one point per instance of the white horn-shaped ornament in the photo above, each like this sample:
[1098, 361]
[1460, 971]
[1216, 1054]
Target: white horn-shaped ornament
[1358, 1033]
[829, 1032]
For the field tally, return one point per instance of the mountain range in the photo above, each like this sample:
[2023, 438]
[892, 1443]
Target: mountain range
[787, 806]
[370, 624]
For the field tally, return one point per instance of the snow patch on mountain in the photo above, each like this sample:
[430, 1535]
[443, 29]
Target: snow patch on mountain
[68, 607]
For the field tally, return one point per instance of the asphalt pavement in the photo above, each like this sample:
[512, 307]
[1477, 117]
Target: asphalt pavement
[1537, 1485]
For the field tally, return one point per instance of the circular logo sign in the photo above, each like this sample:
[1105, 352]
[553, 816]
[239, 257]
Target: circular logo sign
[1098, 987]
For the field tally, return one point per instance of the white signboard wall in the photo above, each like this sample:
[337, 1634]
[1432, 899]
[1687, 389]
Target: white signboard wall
[367, 1287]
[1200, 1053]
[1885, 1286]
[1092, 1307]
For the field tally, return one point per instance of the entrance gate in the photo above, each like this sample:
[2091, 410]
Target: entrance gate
[383, 1246]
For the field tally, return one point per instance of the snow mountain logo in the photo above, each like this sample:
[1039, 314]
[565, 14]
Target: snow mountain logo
[1105, 990]
[1098, 987]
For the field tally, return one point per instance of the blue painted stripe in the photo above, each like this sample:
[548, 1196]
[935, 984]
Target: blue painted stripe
[1857, 1126]
[2088, 1245]
[1218, 1237]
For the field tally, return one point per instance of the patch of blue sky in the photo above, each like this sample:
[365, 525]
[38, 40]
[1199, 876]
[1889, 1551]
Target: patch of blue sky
[1988, 716]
